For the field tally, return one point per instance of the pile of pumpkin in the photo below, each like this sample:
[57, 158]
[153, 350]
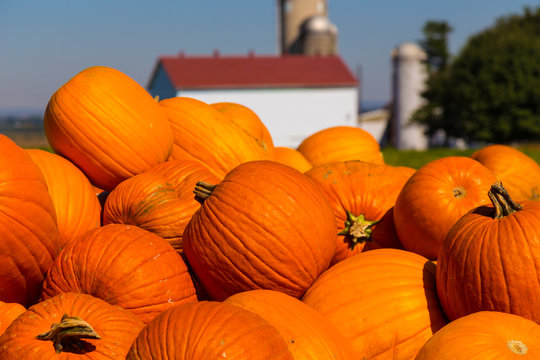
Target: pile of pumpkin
[175, 229]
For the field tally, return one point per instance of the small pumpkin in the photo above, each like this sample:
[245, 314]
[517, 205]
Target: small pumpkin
[8, 313]
[291, 157]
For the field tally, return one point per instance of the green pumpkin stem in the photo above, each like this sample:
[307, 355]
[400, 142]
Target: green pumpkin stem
[501, 200]
[67, 334]
[357, 229]
[203, 190]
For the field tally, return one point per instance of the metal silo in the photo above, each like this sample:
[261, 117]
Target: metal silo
[318, 36]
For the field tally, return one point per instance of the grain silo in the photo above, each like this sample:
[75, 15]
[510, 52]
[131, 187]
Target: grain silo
[318, 36]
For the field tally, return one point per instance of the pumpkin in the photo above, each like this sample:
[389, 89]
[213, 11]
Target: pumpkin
[308, 334]
[484, 335]
[29, 240]
[159, 200]
[490, 259]
[125, 266]
[519, 173]
[264, 226]
[208, 330]
[207, 135]
[383, 301]
[247, 119]
[340, 143]
[108, 125]
[75, 201]
[291, 157]
[70, 326]
[384, 234]
[8, 313]
[360, 193]
[435, 197]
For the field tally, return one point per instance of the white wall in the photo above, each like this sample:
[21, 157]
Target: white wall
[290, 114]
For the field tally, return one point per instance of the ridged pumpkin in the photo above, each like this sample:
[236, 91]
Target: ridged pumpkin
[29, 234]
[264, 226]
[308, 334]
[208, 330]
[360, 193]
[75, 201]
[383, 301]
[384, 236]
[247, 119]
[69, 327]
[519, 173]
[435, 197]
[8, 313]
[125, 266]
[341, 143]
[484, 335]
[204, 134]
[159, 200]
[490, 259]
[291, 157]
[108, 125]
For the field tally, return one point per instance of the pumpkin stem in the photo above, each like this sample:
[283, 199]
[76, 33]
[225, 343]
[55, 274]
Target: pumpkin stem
[357, 229]
[68, 333]
[501, 200]
[203, 190]
[517, 347]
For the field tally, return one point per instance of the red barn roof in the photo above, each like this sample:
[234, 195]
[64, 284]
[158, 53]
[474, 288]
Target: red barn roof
[250, 71]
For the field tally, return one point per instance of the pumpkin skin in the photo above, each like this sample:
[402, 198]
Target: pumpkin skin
[8, 313]
[204, 134]
[116, 327]
[159, 200]
[341, 143]
[362, 190]
[125, 266]
[247, 119]
[264, 226]
[491, 260]
[308, 334]
[291, 157]
[384, 235]
[435, 197]
[208, 330]
[484, 335]
[29, 234]
[519, 173]
[383, 301]
[75, 201]
[108, 125]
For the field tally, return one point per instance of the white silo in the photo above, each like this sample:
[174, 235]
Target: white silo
[409, 77]
[318, 36]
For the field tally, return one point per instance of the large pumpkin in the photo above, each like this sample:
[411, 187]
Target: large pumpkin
[125, 266]
[291, 157]
[75, 201]
[208, 330]
[490, 259]
[383, 301]
[435, 197]
[8, 313]
[519, 173]
[484, 335]
[28, 231]
[70, 327]
[264, 226]
[108, 125]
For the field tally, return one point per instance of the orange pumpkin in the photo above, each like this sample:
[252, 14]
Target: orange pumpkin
[125, 266]
[291, 157]
[68, 327]
[204, 134]
[490, 259]
[75, 201]
[308, 334]
[341, 143]
[108, 125]
[383, 301]
[208, 330]
[519, 173]
[8, 313]
[264, 226]
[384, 234]
[484, 335]
[435, 197]
[29, 234]
[159, 200]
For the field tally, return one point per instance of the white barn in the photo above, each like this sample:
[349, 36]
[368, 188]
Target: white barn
[294, 95]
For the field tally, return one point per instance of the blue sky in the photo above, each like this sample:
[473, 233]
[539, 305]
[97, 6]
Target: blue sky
[44, 43]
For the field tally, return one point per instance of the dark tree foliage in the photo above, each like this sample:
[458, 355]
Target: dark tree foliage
[435, 44]
[491, 90]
